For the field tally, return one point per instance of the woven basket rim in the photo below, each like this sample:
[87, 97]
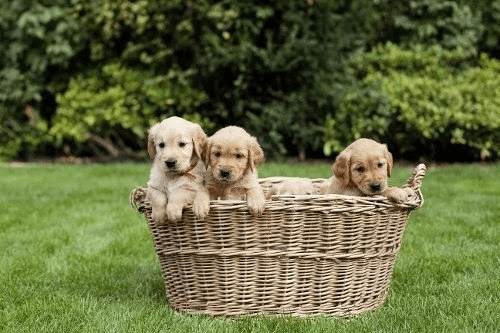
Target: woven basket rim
[138, 195]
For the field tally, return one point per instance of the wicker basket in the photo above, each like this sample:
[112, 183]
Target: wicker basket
[316, 254]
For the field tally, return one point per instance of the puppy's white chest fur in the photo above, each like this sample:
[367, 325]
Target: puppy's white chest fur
[166, 183]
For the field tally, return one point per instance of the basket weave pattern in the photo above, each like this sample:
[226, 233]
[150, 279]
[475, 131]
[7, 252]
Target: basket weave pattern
[315, 254]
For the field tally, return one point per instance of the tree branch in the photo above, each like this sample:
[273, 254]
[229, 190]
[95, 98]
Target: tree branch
[106, 144]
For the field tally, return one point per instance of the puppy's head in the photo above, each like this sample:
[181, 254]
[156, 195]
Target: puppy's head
[176, 144]
[232, 153]
[365, 164]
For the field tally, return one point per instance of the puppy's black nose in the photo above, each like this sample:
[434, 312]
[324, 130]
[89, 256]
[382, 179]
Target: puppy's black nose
[224, 173]
[170, 163]
[375, 187]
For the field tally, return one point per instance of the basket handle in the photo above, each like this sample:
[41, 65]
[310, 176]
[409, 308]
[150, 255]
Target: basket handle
[136, 197]
[415, 182]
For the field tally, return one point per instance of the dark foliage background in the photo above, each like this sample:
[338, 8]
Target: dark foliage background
[88, 78]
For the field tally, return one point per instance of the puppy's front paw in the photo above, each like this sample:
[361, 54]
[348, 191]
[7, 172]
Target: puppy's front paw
[256, 205]
[397, 195]
[159, 216]
[201, 209]
[174, 213]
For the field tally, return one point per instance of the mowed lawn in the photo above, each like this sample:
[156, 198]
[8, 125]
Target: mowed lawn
[74, 257]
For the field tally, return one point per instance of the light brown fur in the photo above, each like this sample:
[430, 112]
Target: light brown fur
[362, 169]
[176, 177]
[292, 186]
[231, 157]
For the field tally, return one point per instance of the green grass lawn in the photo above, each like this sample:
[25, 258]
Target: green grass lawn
[74, 257]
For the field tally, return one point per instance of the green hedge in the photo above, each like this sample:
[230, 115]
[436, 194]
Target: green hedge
[89, 78]
[37, 46]
[423, 98]
[253, 64]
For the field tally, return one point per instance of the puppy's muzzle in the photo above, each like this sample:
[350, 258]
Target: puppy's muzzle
[171, 163]
[375, 187]
[225, 173]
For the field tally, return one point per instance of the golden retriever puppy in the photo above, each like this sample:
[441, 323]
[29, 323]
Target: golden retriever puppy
[292, 186]
[231, 157]
[362, 169]
[176, 177]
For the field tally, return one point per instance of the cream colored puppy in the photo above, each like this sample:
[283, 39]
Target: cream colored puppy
[231, 157]
[293, 186]
[362, 169]
[176, 177]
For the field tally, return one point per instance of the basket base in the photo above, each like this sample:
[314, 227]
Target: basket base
[230, 286]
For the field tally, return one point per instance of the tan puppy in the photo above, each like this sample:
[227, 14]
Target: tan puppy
[292, 186]
[362, 169]
[176, 177]
[231, 157]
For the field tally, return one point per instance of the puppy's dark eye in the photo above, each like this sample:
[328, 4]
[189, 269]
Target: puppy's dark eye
[380, 165]
[360, 169]
[216, 154]
[161, 145]
[182, 144]
[239, 156]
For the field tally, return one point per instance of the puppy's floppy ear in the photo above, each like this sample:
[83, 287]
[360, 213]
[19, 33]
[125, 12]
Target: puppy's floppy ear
[388, 158]
[255, 153]
[205, 154]
[342, 165]
[199, 143]
[151, 141]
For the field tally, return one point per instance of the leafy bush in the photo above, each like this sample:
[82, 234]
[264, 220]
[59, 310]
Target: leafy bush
[450, 24]
[37, 44]
[490, 17]
[423, 97]
[91, 76]
[256, 65]
[112, 110]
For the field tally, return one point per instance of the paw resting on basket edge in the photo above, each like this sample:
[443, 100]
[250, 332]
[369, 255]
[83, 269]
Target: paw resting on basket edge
[174, 212]
[398, 195]
[256, 203]
[201, 207]
[159, 216]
